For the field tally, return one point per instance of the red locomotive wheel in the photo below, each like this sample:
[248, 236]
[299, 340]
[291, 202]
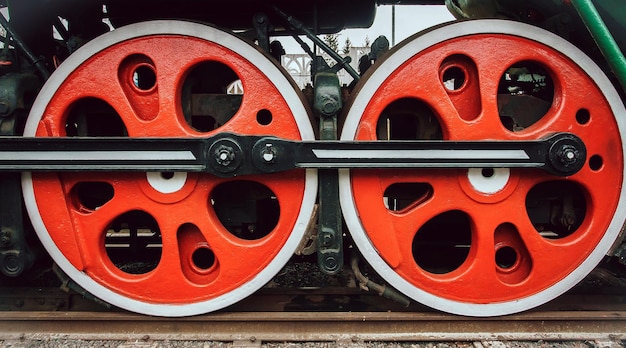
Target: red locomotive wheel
[169, 243]
[486, 241]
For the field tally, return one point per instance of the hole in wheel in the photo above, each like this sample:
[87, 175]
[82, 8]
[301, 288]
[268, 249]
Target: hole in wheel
[487, 172]
[596, 162]
[203, 258]
[89, 196]
[408, 119]
[401, 196]
[556, 208]
[167, 175]
[198, 261]
[144, 77]
[513, 261]
[459, 75]
[95, 118]
[133, 242]
[264, 117]
[453, 78]
[247, 209]
[443, 243]
[506, 257]
[208, 99]
[525, 94]
[583, 116]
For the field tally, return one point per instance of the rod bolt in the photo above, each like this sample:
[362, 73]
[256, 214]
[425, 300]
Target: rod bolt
[269, 154]
[224, 155]
[12, 263]
[330, 263]
[330, 106]
[568, 155]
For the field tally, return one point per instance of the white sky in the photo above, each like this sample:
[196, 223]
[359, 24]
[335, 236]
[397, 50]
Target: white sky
[410, 19]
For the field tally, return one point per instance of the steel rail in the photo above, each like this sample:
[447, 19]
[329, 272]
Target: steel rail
[301, 315]
[317, 326]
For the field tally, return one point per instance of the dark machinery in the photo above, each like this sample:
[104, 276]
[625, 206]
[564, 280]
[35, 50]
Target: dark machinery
[477, 166]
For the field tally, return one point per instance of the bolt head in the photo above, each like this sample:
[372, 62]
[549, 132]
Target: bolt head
[12, 263]
[224, 155]
[568, 154]
[268, 154]
[330, 262]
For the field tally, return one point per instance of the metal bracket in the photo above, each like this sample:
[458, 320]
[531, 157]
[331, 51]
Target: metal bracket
[261, 27]
[15, 254]
[327, 104]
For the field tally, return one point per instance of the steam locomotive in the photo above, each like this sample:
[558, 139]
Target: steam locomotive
[477, 166]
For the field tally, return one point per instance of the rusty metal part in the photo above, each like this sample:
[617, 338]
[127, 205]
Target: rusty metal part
[383, 290]
[308, 244]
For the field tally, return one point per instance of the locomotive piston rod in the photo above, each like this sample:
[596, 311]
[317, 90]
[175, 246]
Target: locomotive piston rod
[229, 155]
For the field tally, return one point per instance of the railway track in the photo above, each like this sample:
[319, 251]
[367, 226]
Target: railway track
[342, 316]
[318, 326]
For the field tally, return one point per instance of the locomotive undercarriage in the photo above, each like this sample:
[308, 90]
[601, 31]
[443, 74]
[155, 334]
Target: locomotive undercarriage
[477, 167]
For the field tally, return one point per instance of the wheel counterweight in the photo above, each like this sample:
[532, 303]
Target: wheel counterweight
[170, 244]
[485, 241]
